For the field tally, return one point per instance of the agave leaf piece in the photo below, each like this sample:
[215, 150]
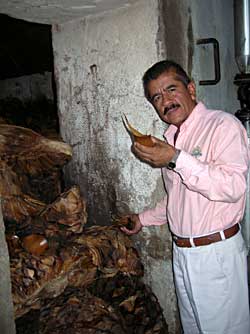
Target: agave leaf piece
[130, 128]
[137, 136]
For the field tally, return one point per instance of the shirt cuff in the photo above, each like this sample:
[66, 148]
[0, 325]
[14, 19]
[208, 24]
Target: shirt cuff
[187, 165]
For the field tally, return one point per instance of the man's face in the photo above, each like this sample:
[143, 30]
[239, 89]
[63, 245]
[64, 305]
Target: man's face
[172, 100]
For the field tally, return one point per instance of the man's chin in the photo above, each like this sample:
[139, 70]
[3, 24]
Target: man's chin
[173, 119]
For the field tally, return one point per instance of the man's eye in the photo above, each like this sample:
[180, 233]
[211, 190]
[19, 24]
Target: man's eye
[156, 98]
[171, 89]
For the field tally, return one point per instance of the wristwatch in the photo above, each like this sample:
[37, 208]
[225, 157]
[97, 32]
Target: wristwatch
[172, 163]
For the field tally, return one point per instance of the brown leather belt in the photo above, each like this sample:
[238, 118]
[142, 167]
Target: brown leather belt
[206, 239]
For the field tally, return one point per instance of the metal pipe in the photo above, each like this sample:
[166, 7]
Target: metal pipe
[242, 34]
[242, 57]
[246, 219]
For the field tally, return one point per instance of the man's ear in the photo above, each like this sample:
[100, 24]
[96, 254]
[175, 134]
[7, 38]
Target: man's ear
[192, 90]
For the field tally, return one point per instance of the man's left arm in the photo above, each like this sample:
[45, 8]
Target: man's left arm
[223, 178]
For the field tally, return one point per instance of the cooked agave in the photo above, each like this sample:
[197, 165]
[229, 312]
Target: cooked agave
[137, 136]
[30, 153]
[35, 244]
[20, 207]
[68, 209]
[26, 155]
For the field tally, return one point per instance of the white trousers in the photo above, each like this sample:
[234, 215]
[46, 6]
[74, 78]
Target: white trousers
[212, 287]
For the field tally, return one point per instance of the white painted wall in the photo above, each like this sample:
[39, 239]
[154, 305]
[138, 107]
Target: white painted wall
[99, 63]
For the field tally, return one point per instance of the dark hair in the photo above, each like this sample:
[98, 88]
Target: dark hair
[163, 66]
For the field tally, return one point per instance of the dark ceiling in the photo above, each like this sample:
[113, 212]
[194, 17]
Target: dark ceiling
[25, 48]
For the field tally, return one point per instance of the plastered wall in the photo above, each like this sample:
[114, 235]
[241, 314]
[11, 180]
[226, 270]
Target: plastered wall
[99, 62]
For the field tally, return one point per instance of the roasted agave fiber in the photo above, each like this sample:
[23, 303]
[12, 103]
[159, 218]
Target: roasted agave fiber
[137, 136]
[26, 155]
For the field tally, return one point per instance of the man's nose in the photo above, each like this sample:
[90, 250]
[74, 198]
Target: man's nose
[166, 97]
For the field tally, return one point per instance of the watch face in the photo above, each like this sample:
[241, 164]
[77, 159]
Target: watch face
[171, 165]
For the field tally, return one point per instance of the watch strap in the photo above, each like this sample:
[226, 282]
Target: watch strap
[172, 163]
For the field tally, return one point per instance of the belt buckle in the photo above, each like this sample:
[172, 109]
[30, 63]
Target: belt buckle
[192, 243]
[175, 237]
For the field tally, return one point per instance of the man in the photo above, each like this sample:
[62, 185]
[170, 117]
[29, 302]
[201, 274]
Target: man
[204, 162]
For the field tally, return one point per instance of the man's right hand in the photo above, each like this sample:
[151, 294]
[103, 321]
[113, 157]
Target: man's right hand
[132, 224]
[158, 155]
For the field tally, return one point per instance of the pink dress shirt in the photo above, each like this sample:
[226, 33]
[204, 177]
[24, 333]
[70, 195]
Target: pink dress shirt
[206, 192]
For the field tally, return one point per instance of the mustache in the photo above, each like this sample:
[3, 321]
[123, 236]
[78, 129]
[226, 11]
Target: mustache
[171, 106]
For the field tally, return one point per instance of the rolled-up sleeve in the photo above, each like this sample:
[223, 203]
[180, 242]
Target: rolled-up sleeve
[155, 216]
